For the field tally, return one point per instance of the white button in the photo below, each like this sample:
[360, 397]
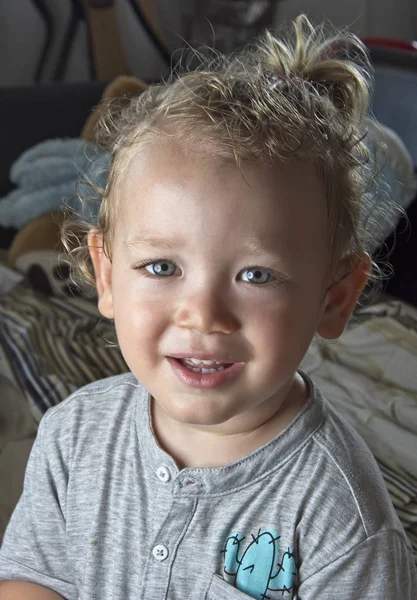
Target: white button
[160, 552]
[163, 474]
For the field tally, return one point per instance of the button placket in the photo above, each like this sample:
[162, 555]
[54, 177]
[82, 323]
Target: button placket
[161, 555]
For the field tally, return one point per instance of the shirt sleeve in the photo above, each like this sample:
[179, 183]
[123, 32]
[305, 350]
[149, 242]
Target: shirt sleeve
[382, 566]
[34, 546]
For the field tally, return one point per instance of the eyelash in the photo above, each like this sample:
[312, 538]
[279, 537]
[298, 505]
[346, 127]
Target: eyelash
[276, 280]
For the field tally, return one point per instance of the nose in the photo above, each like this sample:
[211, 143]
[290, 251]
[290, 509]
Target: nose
[206, 312]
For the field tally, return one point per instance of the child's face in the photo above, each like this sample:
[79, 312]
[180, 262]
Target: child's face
[243, 261]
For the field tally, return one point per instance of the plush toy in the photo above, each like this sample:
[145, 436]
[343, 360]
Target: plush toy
[54, 173]
[123, 88]
[37, 252]
[51, 175]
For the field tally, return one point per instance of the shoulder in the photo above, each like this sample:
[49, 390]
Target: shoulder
[360, 480]
[89, 414]
[97, 398]
[343, 499]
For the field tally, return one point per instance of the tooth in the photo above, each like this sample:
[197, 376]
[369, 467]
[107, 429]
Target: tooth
[204, 371]
[198, 361]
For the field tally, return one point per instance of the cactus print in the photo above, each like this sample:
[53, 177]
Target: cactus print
[257, 569]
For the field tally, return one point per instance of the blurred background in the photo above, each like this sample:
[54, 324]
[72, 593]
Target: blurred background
[60, 40]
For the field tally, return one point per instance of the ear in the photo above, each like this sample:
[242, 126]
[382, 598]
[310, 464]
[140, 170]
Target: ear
[103, 271]
[341, 299]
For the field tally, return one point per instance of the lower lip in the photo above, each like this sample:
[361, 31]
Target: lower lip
[205, 381]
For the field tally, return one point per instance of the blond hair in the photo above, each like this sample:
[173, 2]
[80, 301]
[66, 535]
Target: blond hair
[303, 95]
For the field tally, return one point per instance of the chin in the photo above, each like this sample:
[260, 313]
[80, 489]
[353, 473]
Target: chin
[198, 411]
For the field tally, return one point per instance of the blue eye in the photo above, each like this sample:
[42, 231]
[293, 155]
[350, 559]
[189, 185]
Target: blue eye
[256, 275]
[161, 268]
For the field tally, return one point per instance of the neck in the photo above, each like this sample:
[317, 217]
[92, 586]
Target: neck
[193, 446]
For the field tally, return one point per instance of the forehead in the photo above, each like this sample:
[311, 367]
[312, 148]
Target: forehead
[167, 190]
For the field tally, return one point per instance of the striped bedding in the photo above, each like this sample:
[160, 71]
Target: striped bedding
[52, 346]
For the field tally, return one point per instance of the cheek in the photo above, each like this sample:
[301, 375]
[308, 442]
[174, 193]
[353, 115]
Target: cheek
[139, 328]
[285, 326]
[138, 316]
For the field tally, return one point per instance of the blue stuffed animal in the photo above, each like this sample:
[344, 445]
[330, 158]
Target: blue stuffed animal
[54, 175]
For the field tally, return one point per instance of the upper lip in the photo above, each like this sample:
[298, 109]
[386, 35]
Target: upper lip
[204, 356]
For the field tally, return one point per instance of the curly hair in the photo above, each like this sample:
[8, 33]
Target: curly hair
[300, 96]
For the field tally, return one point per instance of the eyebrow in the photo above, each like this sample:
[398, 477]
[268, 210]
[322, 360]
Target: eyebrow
[163, 243]
[251, 245]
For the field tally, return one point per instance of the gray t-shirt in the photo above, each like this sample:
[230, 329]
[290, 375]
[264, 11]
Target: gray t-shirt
[106, 514]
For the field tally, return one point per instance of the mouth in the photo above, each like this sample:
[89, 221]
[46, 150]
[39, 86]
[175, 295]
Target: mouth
[204, 373]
